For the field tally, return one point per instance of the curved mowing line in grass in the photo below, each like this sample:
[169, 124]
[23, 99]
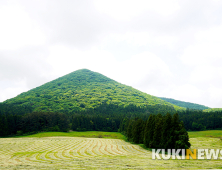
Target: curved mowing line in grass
[86, 150]
[47, 151]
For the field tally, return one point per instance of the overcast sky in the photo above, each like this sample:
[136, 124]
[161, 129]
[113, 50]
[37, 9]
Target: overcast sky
[166, 48]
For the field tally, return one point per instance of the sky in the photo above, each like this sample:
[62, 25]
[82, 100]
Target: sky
[166, 48]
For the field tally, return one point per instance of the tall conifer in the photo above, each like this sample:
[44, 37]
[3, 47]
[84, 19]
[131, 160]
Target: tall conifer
[149, 129]
[138, 131]
[166, 138]
[157, 131]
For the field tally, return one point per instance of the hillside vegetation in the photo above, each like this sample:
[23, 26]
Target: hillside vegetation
[82, 90]
[213, 110]
[185, 104]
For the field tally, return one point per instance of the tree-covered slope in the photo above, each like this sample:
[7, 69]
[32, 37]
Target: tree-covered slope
[185, 104]
[81, 90]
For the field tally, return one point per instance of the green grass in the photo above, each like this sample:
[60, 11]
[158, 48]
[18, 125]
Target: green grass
[207, 133]
[117, 135]
[87, 134]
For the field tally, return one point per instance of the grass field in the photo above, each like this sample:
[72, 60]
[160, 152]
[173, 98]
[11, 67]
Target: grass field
[88, 134]
[207, 133]
[48, 151]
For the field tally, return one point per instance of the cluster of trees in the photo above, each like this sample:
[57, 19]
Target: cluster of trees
[157, 132]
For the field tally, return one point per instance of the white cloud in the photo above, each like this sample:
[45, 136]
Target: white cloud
[144, 38]
[12, 89]
[206, 49]
[126, 9]
[17, 29]
[187, 92]
[65, 60]
[204, 57]
[215, 94]
[166, 40]
[143, 64]
[206, 75]
[133, 38]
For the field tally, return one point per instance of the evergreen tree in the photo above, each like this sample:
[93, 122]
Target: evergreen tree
[63, 122]
[123, 126]
[75, 123]
[149, 130]
[166, 138]
[3, 125]
[11, 122]
[183, 138]
[174, 130]
[157, 131]
[137, 134]
[129, 131]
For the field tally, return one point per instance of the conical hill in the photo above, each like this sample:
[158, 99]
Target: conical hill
[81, 90]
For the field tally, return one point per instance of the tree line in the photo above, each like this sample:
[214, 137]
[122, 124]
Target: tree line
[49, 121]
[32, 123]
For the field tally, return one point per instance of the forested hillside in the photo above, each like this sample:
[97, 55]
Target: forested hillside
[185, 104]
[82, 90]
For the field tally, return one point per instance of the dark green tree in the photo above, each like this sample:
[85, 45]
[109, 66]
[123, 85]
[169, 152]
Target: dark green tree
[137, 132]
[3, 125]
[157, 131]
[129, 134]
[166, 135]
[149, 130]
[183, 138]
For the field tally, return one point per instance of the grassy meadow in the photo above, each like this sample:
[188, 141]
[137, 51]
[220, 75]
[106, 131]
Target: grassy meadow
[96, 150]
[207, 133]
[87, 134]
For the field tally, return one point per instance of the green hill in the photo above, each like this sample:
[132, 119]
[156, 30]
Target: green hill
[81, 90]
[185, 104]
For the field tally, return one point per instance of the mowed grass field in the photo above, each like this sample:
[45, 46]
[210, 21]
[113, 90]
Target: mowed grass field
[96, 150]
